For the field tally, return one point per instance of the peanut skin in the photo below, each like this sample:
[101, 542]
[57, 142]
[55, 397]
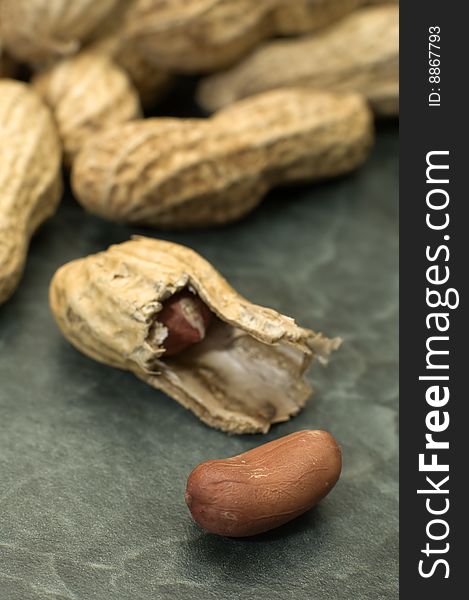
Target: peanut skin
[187, 319]
[248, 373]
[265, 487]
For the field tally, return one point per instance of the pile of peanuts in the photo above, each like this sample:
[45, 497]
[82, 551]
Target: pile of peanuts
[291, 89]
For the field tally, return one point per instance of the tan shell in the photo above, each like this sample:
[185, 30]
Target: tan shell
[205, 35]
[293, 17]
[87, 93]
[196, 172]
[38, 30]
[151, 81]
[245, 375]
[30, 177]
[360, 53]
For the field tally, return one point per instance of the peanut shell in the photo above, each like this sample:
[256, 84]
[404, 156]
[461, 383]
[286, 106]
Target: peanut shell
[87, 93]
[205, 35]
[182, 173]
[295, 17]
[360, 53]
[151, 81]
[30, 176]
[247, 372]
[35, 31]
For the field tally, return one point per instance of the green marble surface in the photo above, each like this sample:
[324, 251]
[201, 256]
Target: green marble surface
[93, 462]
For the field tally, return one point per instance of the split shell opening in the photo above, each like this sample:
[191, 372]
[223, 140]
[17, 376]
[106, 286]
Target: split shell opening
[246, 373]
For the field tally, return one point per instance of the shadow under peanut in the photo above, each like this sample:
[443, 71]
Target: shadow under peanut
[256, 557]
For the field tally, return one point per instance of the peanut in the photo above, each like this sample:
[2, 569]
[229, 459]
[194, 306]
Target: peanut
[186, 318]
[182, 173]
[150, 81]
[35, 31]
[304, 16]
[87, 93]
[358, 54]
[265, 487]
[204, 35]
[30, 177]
[246, 373]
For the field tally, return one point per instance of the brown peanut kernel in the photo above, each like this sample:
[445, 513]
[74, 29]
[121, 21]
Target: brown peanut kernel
[264, 487]
[186, 318]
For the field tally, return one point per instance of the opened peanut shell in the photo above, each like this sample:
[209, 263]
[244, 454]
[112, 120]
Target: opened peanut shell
[241, 367]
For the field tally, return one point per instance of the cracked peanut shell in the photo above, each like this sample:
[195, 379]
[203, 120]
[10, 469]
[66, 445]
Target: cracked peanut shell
[30, 176]
[183, 173]
[246, 374]
[360, 54]
[205, 35]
